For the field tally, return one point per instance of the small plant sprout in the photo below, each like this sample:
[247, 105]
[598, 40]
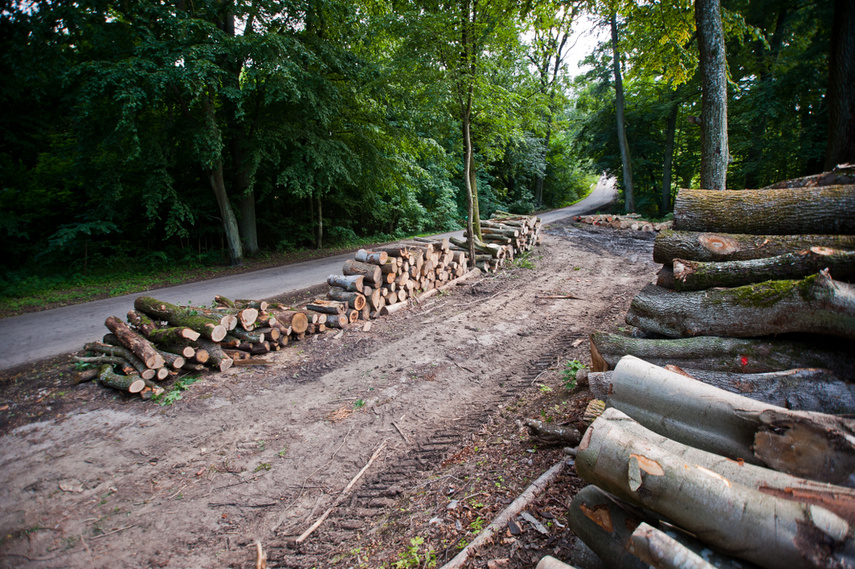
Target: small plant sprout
[571, 368]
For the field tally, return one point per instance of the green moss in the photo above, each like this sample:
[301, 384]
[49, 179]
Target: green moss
[769, 293]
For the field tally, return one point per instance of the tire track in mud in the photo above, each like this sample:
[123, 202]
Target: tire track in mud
[372, 499]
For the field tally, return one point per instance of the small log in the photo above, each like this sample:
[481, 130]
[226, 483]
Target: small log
[605, 524]
[114, 348]
[354, 300]
[337, 321]
[201, 356]
[327, 306]
[137, 344]
[810, 445]
[694, 246]
[85, 375]
[699, 275]
[226, 319]
[224, 301]
[352, 315]
[372, 257]
[553, 434]
[660, 551]
[260, 305]
[739, 355]
[842, 174]
[128, 383]
[253, 337]
[816, 304]
[391, 266]
[395, 251]
[352, 283]
[371, 273]
[392, 308]
[373, 297]
[297, 320]
[183, 349]
[247, 317]
[216, 356]
[270, 334]
[178, 316]
[172, 360]
[194, 367]
[829, 209]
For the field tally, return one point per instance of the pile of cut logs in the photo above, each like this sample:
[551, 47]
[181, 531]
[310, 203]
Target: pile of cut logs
[161, 339]
[744, 442]
[628, 221]
[503, 237]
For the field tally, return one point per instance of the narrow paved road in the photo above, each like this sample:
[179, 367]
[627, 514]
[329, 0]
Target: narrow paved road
[40, 335]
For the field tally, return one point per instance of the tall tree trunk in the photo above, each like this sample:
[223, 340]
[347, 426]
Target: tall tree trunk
[319, 236]
[671, 129]
[473, 183]
[230, 224]
[248, 228]
[470, 196]
[841, 87]
[713, 66]
[621, 127]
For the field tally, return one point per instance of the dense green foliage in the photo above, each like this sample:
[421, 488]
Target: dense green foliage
[153, 133]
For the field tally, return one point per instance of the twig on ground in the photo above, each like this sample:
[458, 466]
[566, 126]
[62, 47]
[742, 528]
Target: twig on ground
[114, 531]
[394, 424]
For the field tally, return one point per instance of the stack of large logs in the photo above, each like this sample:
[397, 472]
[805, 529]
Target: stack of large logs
[741, 443]
[504, 236]
[629, 221]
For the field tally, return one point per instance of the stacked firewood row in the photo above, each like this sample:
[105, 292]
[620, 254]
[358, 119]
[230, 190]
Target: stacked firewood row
[504, 237]
[630, 221]
[743, 442]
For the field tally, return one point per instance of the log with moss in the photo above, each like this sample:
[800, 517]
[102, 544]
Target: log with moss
[182, 317]
[115, 348]
[699, 275]
[806, 389]
[164, 336]
[810, 445]
[134, 342]
[217, 358]
[816, 305]
[695, 246]
[740, 355]
[829, 209]
[128, 383]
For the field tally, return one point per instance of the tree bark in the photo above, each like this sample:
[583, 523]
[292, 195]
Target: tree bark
[841, 87]
[838, 176]
[816, 305]
[614, 429]
[138, 345]
[216, 356]
[353, 299]
[248, 226]
[327, 306]
[162, 336]
[809, 445]
[726, 354]
[621, 121]
[128, 383]
[230, 224]
[670, 132]
[179, 316]
[661, 551]
[352, 283]
[694, 246]
[697, 275]
[805, 389]
[713, 67]
[829, 209]
[372, 274]
[297, 320]
[605, 526]
[553, 434]
[372, 257]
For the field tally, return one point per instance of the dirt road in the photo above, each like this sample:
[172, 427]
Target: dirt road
[94, 479]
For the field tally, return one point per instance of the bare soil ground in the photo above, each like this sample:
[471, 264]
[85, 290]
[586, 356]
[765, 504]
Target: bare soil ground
[90, 478]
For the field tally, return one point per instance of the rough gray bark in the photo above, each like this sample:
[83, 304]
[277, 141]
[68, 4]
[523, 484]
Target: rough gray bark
[726, 354]
[605, 526]
[731, 517]
[713, 67]
[805, 389]
[816, 305]
[626, 161]
[661, 551]
[828, 209]
[841, 87]
[138, 345]
[698, 275]
[809, 445]
[695, 246]
[670, 132]
[230, 224]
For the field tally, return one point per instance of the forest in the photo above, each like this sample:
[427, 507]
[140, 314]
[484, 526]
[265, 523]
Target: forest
[141, 134]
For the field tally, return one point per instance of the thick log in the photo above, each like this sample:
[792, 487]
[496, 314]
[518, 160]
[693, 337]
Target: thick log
[327, 306]
[806, 389]
[810, 445]
[395, 251]
[162, 336]
[729, 516]
[114, 347]
[393, 308]
[172, 360]
[137, 344]
[726, 354]
[605, 526]
[373, 297]
[372, 257]
[829, 209]
[297, 320]
[553, 434]
[354, 300]
[816, 305]
[128, 383]
[841, 175]
[247, 317]
[253, 337]
[337, 321]
[670, 245]
[372, 274]
[352, 283]
[269, 334]
[222, 317]
[661, 551]
[700, 275]
[614, 429]
[183, 317]
[216, 356]
[183, 349]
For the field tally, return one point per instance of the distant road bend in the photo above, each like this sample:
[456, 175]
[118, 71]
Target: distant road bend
[41, 335]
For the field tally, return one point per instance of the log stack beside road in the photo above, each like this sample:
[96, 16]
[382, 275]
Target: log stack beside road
[736, 434]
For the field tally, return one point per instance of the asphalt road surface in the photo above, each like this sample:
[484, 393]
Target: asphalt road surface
[41, 335]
